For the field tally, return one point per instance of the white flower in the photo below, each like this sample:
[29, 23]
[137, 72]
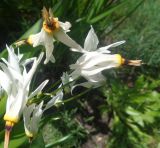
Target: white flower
[51, 31]
[94, 61]
[16, 82]
[91, 43]
[32, 114]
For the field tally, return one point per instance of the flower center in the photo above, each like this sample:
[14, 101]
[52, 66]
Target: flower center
[120, 60]
[51, 25]
[10, 119]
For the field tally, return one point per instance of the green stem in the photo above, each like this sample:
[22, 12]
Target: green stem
[77, 96]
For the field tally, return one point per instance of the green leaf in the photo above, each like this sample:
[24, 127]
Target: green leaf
[38, 142]
[106, 13]
[60, 141]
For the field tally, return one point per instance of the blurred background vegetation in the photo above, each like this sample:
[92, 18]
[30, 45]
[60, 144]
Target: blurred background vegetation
[125, 112]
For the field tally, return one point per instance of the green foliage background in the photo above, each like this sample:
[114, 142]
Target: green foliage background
[123, 113]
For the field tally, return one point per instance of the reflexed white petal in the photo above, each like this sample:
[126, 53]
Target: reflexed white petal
[75, 74]
[105, 49]
[85, 84]
[65, 26]
[93, 81]
[91, 41]
[66, 78]
[28, 61]
[36, 117]
[32, 70]
[32, 116]
[65, 39]
[85, 57]
[78, 50]
[45, 39]
[58, 97]
[37, 39]
[96, 69]
[73, 66]
[97, 78]
[49, 50]
[20, 56]
[26, 116]
[93, 59]
[16, 107]
[5, 82]
[13, 59]
[12, 73]
[39, 89]
[100, 58]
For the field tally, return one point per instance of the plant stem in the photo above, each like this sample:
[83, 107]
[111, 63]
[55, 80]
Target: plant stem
[7, 137]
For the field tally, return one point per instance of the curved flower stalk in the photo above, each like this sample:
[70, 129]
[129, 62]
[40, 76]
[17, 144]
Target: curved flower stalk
[94, 61]
[51, 31]
[32, 114]
[16, 83]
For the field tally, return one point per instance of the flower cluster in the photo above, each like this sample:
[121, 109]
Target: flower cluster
[15, 79]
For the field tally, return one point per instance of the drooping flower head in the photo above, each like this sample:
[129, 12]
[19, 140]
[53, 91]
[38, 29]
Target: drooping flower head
[94, 60]
[32, 114]
[16, 80]
[51, 31]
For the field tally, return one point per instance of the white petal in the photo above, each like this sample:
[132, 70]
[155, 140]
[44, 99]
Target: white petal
[93, 81]
[49, 49]
[37, 114]
[91, 41]
[15, 108]
[96, 69]
[13, 59]
[54, 99]
[29, 75]
[20, 56]
[75, 74]
[97, 78]
[37, 39]
[85, 84]
[5, 82]
[27, 116]
[104, 49]
[65, 39]
[66, 78]
[38, 89]
[28, 61]
[98, 58]
[65, 26]
[12, 73]
[32, 116]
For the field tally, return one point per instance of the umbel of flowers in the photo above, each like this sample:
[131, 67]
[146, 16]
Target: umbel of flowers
[15, 79]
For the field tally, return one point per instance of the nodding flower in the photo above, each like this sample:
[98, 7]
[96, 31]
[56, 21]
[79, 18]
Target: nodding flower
[51, 31]
[94, 60]
[32, 114]
[16, 80]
